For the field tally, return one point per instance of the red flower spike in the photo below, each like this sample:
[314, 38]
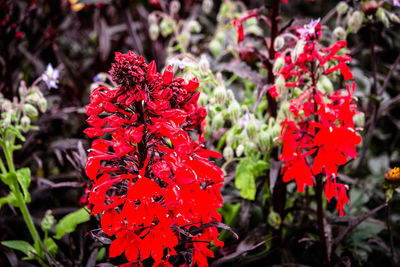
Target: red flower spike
[320, 135]
[144, 189]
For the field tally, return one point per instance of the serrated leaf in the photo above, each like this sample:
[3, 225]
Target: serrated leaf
[51, 246]
[10, 199]
[69, 222]
[245, 179]
[260, 168]
[16, 132]
[20, 245]
[24, 179]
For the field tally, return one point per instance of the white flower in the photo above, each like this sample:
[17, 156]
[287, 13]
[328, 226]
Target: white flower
[50, 76]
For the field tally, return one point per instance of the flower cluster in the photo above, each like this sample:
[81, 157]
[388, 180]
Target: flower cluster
[152, 182]
[320, 134]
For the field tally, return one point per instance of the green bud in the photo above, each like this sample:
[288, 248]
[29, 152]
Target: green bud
[381, 16]
[165, 27]
[7, 105]
[325, 84]
[359, 120]
[22, 89]
[251, 129]
[239, 150]
[220, 95]
[228, 153]
[194, 26]
[204, 65]
[342, 8]
[152, 19]
[203, 99]
[234, 111]
[42, 105]
[296, 92]
[220, 36]
[339, 33]
[285, 108]
[218, 121]
[31, 111]
[393, 17]
[264, 140]
[276, 131]
[25, 123]
[280, 84]
[7, 120]
[154, 31]
[215, 47]
[184, 37]
[48, 221]
[279, 43]
[274, 219]
[278, 65]
[175, 6]
[207, 6]
[249, 147]
[33, 98]
[298, 49]
[355, 21]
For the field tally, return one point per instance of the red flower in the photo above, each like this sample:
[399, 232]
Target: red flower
[149, 176]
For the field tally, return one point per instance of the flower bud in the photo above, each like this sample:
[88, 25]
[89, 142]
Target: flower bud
[165, 27]
[296, 92]
[279, 43]
[355, 21]
[31, 111]
[369, 8]
[203, 98]
[175, 6]
[249, 147]
[298, 49]
[25, 123]
[6, 105]
[274, 219]
[228, 153]
[204, 65]
[194, 26]
[220, 36]
[220, 94]
[234, 111]
[251, 129]
[152, 19]
[394, 18]
[278, 65]
[22, 89]
[218, 121]
[207, 6]
[239, 150]
[342, 8]
[381, 16]
[215, 47]
[339, 33]
[276, 131]
[280, 84]
[33, 98]
[359, 120]
[42, 104]
[264, 140]
[7, 120]
[285, 108]
[48, 221]
[154, 32]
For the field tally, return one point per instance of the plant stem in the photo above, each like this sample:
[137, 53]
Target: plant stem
[8, 150]
[320, 220]
[389, 228]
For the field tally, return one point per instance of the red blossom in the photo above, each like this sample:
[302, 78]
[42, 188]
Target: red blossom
[149, 176]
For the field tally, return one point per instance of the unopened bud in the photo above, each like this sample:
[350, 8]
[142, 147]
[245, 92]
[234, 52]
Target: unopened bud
[393, 17]
[165, 27]
[264, 140]
[239, 150]
[325, 84]
[220, 95]
[175, 6]
[355, 21]
[31, 111]
[228, 153]
[342, 8]
[359, 120]
[215, 47]
[7, 120]
[203, 98]
[204, 65]
[22, 89]
[381, 16]
[279, 43]
[234, 111]
[33, 98]
[194, 26]
[369, 8]
[42, 104]
[274, 219]
[48, 221]
[218, 121]
[154, 32]
[25, 123]
[251, 129]
[298, 49]
[6, 106]
[207, 6]
[296, 92]
[280, 84]
[285, 108]
[278, 65]
[276, 131]
[249, 148]
[339, 33]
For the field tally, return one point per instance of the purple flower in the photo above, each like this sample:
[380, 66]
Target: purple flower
[50, 76]
[396, 3]
[310, 30]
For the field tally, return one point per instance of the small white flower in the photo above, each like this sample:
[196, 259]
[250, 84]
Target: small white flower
[50, 76]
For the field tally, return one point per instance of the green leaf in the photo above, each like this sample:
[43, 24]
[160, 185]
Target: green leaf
[51, 246]
[20, 245]
[16, 132]
[260, 168]
[230, 211]
[245, 179]
[24, 179]
[11, 199]
[69, 222]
